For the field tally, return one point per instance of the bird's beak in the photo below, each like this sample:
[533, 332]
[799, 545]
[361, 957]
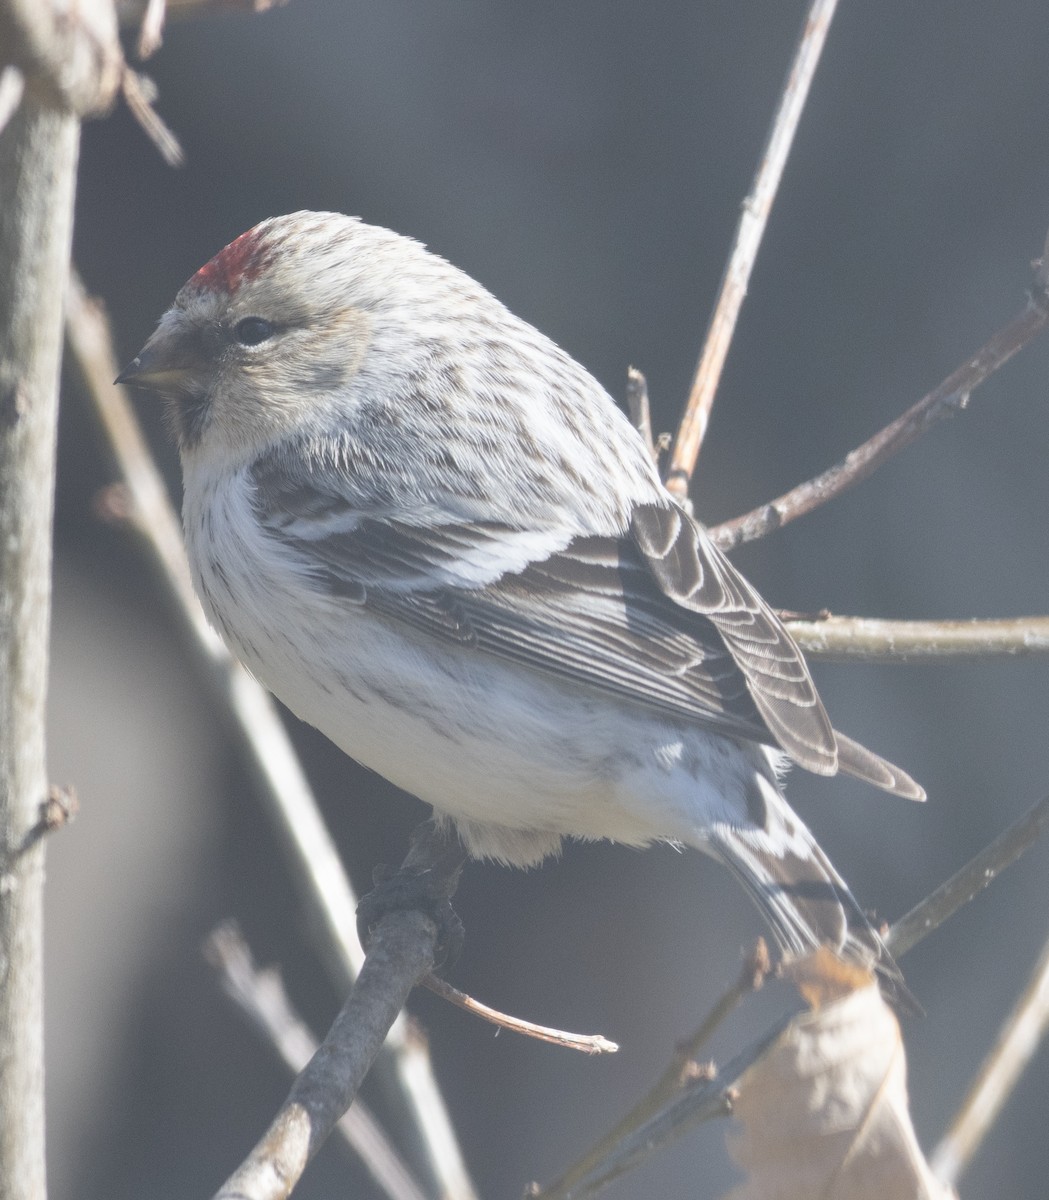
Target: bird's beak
[164, 362]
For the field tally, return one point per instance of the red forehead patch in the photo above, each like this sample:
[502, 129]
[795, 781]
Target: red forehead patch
[242, 260]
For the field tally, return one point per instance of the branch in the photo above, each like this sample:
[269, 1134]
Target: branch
[59, 63]
[708, 1097]
[260, 996]
[865, 639]
[283, 787]
[639, 410]
[587, 1043]
[68, 55]
[944, 401]
[1017, 1042]
[682, 1070]
[957, 891]
[400, 952]
[151, 15]
[749, 232]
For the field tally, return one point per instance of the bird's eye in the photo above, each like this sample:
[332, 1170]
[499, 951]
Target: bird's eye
[250, 331]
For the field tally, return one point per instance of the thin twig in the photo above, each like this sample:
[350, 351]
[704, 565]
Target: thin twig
[282, 784]
[139, 95]
[865, 639]
[401, 950]
[638, 407]
[151, 32]
[751, 228]
[708, 1097]
[152, 15]
[588, 1043]
[949, 398]
[1014, 1048]
[682, 1070]
[957, 891]
[260, 996]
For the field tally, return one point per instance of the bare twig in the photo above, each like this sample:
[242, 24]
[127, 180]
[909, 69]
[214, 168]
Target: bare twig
[749, 232]
[950, 397]
[1016, 1044]
[283, 786]
[639, 410]
[865, 639]
[55, 812]
[957, 891]
[400, 952]
[151, 16]
[151, 31]
[261, 997]
[140, 95]
[682, 1070]
[707, 1097]
[588, 1043]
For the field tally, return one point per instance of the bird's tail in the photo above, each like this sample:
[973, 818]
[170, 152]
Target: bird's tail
[804, 900]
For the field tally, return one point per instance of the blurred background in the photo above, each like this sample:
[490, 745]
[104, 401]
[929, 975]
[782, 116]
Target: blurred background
[586, 162]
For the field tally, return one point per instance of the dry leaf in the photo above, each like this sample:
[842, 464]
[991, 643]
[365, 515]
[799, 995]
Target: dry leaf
[825, 1114]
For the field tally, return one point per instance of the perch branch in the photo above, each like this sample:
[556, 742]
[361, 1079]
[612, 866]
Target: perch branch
[260, 996]
[749, 232]
[400, 952]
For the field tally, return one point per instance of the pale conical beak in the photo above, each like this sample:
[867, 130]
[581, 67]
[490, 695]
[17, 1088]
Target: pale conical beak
[165, 362]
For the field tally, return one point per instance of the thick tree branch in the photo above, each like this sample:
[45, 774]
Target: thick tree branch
[68, 54]
[61, 68]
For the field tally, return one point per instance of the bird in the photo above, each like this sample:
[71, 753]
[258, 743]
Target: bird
[434, 536]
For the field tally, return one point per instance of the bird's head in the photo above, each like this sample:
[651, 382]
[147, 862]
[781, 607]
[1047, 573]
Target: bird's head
[271, 334]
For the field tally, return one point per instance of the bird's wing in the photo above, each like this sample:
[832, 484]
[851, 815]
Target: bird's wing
[695, 575]
[657, 616]
[586, 609]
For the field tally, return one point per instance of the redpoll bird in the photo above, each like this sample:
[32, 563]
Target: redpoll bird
[434, 536]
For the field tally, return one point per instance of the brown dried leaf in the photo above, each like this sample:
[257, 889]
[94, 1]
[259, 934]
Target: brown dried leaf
[825, 1115]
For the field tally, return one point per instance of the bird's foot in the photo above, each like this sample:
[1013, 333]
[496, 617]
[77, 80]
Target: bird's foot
[425, 882]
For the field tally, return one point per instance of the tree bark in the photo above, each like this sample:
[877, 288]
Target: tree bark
[38, 155]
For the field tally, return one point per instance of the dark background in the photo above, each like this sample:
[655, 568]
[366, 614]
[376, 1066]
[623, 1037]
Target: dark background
[585, 161]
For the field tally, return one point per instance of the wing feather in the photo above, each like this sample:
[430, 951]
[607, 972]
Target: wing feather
[696, 575]
[656, 616]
